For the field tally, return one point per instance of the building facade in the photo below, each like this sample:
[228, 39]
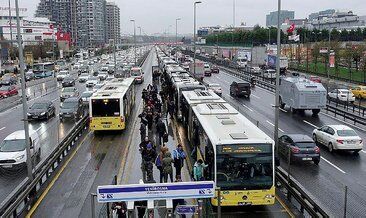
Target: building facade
[339, 21]
[113, 28]
[321, 14]
[271, 18]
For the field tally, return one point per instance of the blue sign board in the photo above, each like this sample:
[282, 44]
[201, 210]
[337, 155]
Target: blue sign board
[155, 191]
[186, 209]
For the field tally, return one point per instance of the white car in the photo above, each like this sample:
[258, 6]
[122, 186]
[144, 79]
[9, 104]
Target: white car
[92, 81]
[255, 70]
[136, 72]
[83, 77]
[97, 86]
[215, 88]
[62, 74]
[270, 74]
[338, 137]
[102, 75]
[344, 95]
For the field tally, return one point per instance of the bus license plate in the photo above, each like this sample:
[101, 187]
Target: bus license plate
[106, 126]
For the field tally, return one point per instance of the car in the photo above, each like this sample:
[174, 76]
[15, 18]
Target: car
[215, 88]
[69, 92]
[41, 110]
[92, 81]
[359, 91]
[343, 95]
[6, 91]
[85, 96]
[71, 108]
[255, 70]
[102, 75]
[8, 79]
[62, 74]
[238, 89]
[104, 69]
[207, 70]
[83, 77]
[298, 147]
[338, 137]
[13, 154]
[215, 69]
[68, 82]
[315, 79]
[29, 75]
[269, 74]
[136, 72]
[97, 86]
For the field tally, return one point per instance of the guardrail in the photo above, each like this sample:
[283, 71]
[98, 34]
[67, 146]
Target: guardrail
[296, 191]
[18, 202]
[270, 86]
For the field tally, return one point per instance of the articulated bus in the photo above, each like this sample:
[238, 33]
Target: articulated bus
[240, 156]
[111, 106]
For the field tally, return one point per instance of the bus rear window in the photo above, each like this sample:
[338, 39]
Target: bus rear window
[105, 108]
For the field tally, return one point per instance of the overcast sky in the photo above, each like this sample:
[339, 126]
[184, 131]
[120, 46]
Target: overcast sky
[155, 16]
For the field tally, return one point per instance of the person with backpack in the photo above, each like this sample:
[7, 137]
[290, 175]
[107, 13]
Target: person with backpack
[148, 158]
[167, 167]
[159, 161]
[179, 156]
[198, 170]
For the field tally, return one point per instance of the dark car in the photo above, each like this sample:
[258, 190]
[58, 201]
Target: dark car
[6, 91]
[68, 82]
[238, 89]
[41, 110]
[8, 80]
[69, 92]
[215, 69]
[71, 108]
[301, 148]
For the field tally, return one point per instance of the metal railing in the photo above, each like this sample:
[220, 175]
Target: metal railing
[18, 201]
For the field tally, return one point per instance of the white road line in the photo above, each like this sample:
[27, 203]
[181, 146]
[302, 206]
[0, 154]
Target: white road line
[2, 128]
[343, 121]
[247, 108]
[274, 125]
[255, 96]
[310, 124]
[332, 165]
[283, 110]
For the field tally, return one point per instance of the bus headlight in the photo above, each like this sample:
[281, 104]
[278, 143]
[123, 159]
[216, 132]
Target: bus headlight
[269, 196]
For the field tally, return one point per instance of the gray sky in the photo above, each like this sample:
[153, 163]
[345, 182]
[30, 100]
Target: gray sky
[155, 16]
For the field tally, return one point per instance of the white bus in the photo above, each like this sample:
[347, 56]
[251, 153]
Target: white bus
[239, 155]
[111, 106]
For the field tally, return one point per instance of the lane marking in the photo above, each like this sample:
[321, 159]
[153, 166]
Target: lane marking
[285, 207]
[333, 165]
[283, 110]
[274, 125]
[343, 121]
[45, 192]
[247, 108]
[2, 128]
[255, 96]
[310, 124]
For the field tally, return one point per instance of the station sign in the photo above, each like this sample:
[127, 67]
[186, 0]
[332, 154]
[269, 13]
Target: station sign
[155, 191]
[186, 209]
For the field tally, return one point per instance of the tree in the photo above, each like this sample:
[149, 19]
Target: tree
[344, 35]
[315, 53]
[334, 35]
[336, 47]
[347, 54]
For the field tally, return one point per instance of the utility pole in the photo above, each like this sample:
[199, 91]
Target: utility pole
[24, 98]
[11, 30]
[194, 37]
[114, 54]
[134, 38]
[277, 98]
[176, 39]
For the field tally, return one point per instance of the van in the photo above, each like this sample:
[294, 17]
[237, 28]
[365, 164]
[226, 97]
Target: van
[269, 74]
[137, 73]
[13, 152]
[238, 89]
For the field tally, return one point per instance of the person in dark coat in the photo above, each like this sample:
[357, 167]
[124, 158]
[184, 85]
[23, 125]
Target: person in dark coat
[161, 130]
[179, 156]
[142, 131]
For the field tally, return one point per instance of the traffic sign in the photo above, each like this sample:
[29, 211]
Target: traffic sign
[186, 209]
[155, 191]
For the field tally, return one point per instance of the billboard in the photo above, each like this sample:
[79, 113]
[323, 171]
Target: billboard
[226, 53]
[244, 54]
[331, 60]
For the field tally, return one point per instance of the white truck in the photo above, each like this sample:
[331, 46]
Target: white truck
[301, 94]
[199, 73]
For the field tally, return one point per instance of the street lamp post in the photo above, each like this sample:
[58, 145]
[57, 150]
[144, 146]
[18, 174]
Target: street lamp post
[176, 38]
[194, 36]
[277, 98]
[24, 99]
[134, 38]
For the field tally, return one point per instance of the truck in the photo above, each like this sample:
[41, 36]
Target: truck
[242, 58]
[272, 61]
[301, 94]
[200, 69]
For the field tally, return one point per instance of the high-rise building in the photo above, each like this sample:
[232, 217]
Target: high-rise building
[321, 14]
[271, 18]
[113, 29]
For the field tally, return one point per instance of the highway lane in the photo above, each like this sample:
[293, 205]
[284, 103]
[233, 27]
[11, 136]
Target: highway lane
[97, 160]
[325, 182]
[50, 131]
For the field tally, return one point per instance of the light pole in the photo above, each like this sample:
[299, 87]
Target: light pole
[194, 36]
[24, 99]
[134, 38]
[277, 98]
[176, 38]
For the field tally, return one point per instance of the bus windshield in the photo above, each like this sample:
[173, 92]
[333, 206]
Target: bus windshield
[43, 67]
[105, 108]
[244, 167]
